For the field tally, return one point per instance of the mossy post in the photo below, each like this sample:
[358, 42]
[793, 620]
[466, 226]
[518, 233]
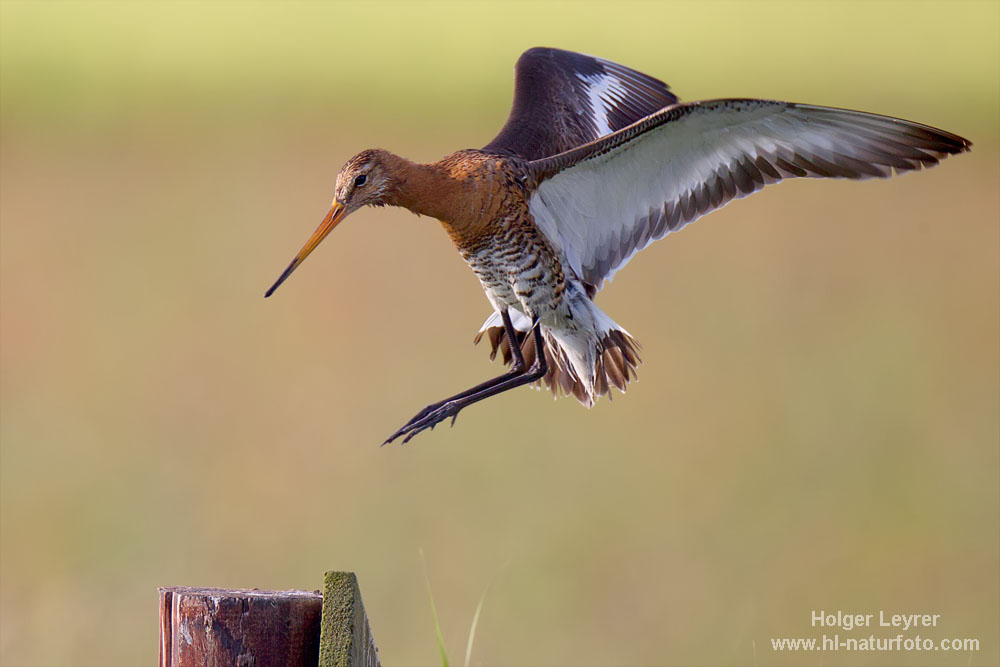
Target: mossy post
[345, 636]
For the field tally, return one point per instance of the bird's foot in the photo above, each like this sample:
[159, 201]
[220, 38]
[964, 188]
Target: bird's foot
[427, 418]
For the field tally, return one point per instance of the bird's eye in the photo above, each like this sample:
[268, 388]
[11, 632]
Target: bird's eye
[360, 180]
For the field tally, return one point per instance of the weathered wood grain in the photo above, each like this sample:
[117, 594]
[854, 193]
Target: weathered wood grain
[217, 627]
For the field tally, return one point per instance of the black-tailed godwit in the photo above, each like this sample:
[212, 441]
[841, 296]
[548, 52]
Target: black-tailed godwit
[595, 162]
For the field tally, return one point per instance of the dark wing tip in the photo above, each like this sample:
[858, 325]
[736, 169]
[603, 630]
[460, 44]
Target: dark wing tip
[911, 132]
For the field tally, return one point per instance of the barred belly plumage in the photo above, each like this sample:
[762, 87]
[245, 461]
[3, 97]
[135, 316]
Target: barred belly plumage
[520, 272]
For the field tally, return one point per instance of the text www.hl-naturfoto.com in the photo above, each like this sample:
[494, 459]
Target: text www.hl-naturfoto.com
[873, 643]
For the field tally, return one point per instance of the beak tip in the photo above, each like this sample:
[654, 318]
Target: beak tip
[281, 279]
[331, 220]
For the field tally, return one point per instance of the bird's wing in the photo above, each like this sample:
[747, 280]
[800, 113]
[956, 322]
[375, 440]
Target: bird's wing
[603, 202]
[563, 100]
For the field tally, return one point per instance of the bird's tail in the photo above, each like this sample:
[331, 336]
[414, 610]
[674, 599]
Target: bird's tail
[585, 366]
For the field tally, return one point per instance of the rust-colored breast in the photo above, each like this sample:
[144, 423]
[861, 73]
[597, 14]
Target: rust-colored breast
[500, 241]
[481, 201]
[485, 197]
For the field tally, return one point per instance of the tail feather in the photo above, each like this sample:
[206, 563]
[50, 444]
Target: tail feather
[616, 357]
[615, 367]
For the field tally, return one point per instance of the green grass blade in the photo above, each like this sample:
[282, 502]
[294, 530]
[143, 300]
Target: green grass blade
[437, 625]
[475, 621]
[475, 617]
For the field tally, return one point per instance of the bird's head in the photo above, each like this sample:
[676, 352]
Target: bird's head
[363, 181]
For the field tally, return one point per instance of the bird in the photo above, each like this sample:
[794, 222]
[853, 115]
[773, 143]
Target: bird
[595, 162]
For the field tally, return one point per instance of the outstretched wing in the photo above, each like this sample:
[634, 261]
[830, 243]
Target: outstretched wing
[603, 202]
[563, 100]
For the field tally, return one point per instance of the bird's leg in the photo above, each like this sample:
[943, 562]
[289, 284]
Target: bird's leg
[517, 367]
[515, 377]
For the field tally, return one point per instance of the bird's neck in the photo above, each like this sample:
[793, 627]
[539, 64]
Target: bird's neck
[449, 190]
[421, 188]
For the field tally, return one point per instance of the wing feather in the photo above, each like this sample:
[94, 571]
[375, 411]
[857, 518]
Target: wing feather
[564, 99]
[604, 201]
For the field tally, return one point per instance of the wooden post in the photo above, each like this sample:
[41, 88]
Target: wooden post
[346, 638]
[216, 627]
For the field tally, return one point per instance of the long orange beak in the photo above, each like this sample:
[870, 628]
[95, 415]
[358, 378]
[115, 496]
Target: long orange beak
[335, 215]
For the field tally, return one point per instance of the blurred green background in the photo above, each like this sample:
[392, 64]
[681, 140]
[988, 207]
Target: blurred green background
[815, 425]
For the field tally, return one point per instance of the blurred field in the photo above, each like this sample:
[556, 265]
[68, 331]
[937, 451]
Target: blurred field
[815, 426]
